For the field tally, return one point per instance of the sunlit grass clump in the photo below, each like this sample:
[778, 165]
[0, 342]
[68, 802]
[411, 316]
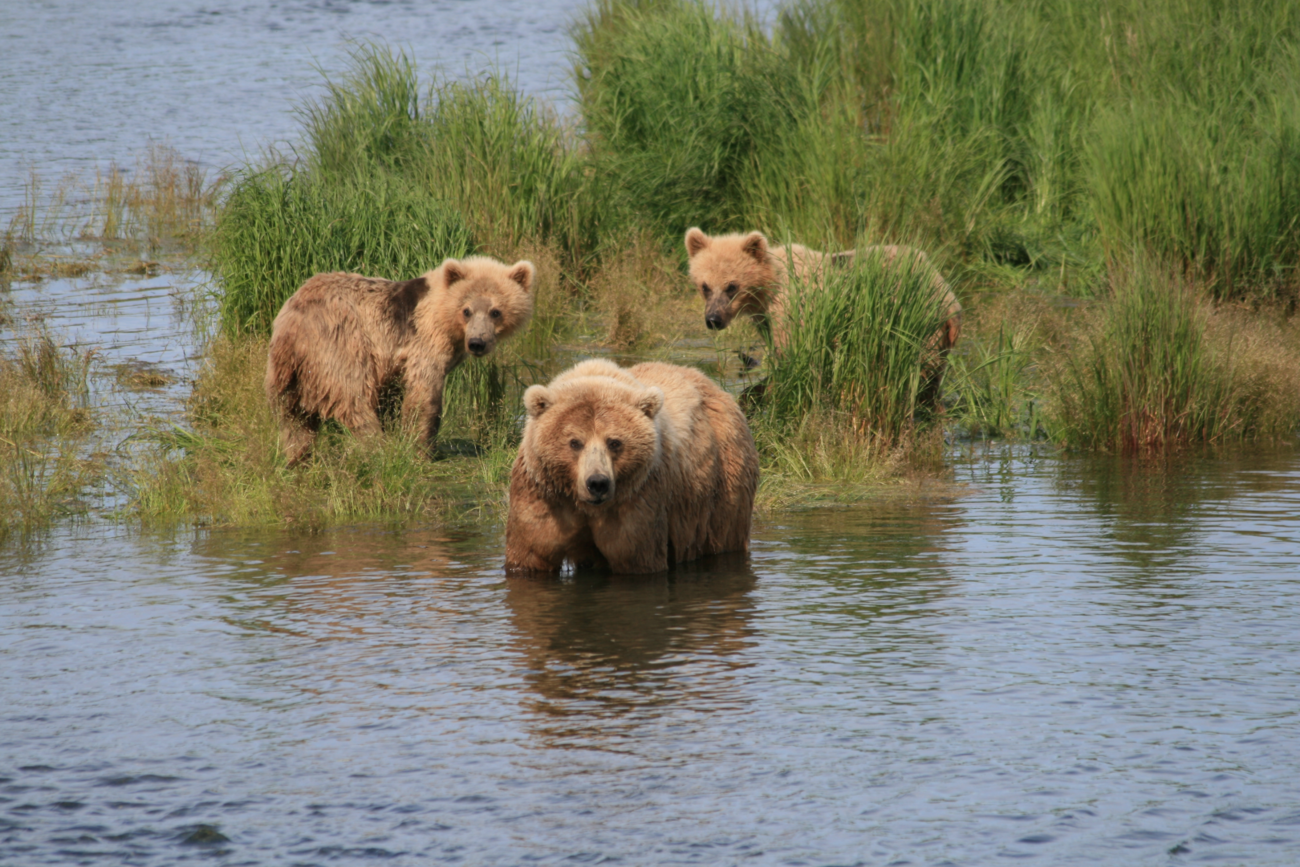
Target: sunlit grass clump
[279, 227]
[859, 341]
[683, 106]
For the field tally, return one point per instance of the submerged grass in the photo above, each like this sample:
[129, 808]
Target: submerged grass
[44, 420]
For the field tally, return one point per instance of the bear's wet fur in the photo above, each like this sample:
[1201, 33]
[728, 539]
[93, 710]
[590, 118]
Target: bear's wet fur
[631, 469]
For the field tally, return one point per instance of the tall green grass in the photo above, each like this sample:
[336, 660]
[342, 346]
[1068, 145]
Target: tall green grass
[684, 107]
[278, 227]
[857, 345]
[394, 176]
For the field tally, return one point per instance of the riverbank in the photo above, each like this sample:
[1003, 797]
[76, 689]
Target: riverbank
[1091, 321]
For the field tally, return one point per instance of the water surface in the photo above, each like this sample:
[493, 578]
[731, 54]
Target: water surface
[1075, 662]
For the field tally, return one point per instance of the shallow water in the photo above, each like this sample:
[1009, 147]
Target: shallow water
[84, 85]
[81, 86]
[1072, 661]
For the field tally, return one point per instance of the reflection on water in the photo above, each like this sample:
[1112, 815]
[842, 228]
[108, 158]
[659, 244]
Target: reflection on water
[604, 655]
[1076, 660]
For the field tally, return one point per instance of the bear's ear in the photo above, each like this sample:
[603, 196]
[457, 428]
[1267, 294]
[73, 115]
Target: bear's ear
[755, 245]
[452, 272]
[695, 241]
[537, 400]
[522, 273]
[651, 402]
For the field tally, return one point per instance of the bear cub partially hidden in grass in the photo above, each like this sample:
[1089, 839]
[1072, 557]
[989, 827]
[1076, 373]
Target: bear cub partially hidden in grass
[743, 274]
[341, 338]
[632, 469]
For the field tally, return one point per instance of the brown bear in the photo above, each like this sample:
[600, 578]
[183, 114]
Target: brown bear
[342, 338]
[634, 470]
[744, 274]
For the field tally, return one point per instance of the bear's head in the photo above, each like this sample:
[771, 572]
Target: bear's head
[734, 273]
[485, 300]
[592, 435]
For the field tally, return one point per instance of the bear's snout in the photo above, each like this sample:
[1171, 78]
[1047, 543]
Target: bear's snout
[477, 345]
[599, 485]
[714, 321]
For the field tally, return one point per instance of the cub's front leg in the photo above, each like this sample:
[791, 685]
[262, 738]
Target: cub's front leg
[422, 406]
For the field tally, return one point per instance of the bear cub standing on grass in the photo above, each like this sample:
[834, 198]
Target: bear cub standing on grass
[341, 338]
[743, 274]
[632, 469]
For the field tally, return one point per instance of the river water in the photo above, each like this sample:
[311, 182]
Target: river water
[1068, 660]
[83, 85]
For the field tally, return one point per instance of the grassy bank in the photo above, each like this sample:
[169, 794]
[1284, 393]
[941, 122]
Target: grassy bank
[1111, 188]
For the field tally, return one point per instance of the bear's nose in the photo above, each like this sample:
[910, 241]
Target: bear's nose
[598, 486]
[714, 321]
[477, 345]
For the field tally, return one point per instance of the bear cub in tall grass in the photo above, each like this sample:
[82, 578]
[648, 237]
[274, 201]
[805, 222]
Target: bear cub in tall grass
[632, 469]
[742, 274]
[342, 338]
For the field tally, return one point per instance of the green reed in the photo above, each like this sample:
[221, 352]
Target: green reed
[857, 344]
[682, 106]
[279, 226]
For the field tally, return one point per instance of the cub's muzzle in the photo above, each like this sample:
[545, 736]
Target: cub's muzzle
[714, 322]
[477, 345]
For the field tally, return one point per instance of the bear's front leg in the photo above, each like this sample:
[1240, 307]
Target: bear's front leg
[541, 535]
[633, 537]
[422, 406]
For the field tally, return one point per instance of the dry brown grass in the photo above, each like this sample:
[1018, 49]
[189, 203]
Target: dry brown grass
[641, 295]
[166, 202]
[1264, 349]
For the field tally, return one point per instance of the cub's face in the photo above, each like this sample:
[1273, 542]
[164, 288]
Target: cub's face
[493, 300]
[592, 439]
[732, 274]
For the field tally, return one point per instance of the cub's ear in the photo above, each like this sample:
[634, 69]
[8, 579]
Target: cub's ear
[537, 400]
[452, 271]
[755, 244]
[651, 402]
[522, 273]
[695, 242]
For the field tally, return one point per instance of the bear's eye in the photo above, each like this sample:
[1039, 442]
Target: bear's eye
[495, 314]
[614, 444]
[731, 289]
[468, 313]
[704, 287]
[575, 444]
